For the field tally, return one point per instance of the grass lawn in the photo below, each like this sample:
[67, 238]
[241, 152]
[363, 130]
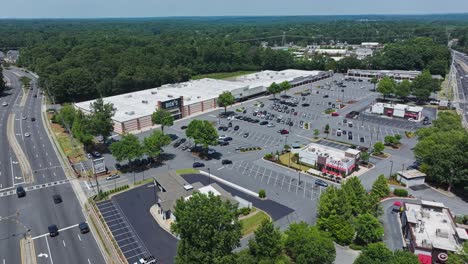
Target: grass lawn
[187, 171]
[251, 223]
[221, 75]
[284, 159]
[75, 153]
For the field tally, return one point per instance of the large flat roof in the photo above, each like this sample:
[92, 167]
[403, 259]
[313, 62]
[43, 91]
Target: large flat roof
[143, 103]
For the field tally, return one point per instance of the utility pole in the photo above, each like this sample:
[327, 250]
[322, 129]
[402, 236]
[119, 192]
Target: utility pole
[391, 168]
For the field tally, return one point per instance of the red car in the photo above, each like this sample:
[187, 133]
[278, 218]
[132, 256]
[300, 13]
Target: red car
[335, 114]
[283, 132]
[295, 113]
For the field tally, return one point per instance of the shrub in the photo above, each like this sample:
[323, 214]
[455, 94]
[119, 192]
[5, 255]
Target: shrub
[400, 192]
[355, 247]
[262, 193]
[245, 211]
[268, 156]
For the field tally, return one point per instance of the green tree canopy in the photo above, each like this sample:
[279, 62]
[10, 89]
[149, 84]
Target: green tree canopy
[308, 245]
[376, 253]
[380, 187]
[424, 85]
[101, 118]
[2, 82]
[162, 117]
[386, 86]
[66, 115]
[226, 99]
[403, 89]
[368, 229]
[208, 228]
[460, 257]
[81, 129]
[267, 244]
[404, 257]
[128, 148]
[378, 147]
[356, 195]
[202, 132]
[153, 145]
[274, 88]
[285, 86]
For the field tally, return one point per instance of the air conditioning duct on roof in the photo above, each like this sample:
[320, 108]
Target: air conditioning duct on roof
[130, 113]
[144, 101]
[154, 92]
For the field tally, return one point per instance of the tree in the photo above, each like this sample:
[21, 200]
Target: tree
[405, 257]
[386, 86]
[380, 187]
[285, 86]
[356, 195]
[460, 257]
[202, 132]
[128, 148]
[316, 133]
[101, 118]
[306, 244]
[154, 143]
[374, 81]
[424, 85]
[2, 82]
[266, 245]
[226, 99]
[403, 89]
[273, 89]
[162, 117]
[365, 156]
[25, 81]
[66, 115]
[378, 147]
[368, 229]
[376, 253]
[208, 228]
[81, 128]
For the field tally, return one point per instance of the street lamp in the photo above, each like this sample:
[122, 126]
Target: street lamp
[299, 173]
[391, 168]
[209, 176]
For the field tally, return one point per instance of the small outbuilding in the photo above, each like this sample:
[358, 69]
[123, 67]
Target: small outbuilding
[411, 177]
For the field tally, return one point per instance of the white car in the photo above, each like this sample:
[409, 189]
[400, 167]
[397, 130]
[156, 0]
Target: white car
[412, 120]
[24, 117]
[222, 137]
[271, 125]
[5, 104]
[27, 134]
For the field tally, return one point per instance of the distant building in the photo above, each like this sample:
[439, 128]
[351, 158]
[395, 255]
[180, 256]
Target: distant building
[172, 187]
[379, 74]
[429, 231]
[12, 56]
[397, 110]
[2, 56]
[337, 162]
[331, 52]
[411, 177]
[371, 45]
[362, 53]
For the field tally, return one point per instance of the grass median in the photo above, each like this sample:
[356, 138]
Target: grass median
[253, 221]
[74, 152]
[187, 171]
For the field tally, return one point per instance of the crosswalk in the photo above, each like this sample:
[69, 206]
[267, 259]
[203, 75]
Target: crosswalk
[35, 187]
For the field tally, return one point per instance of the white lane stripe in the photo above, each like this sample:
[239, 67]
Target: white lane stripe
[48, 249]
[63, 229]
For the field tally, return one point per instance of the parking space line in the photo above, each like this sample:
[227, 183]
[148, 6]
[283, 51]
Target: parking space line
[131, 250]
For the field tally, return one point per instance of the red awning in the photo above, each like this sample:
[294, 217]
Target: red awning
[424, 259]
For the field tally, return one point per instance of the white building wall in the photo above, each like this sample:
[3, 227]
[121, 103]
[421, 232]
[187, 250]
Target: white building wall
[399, 112]
[130, 125]
[377, 109]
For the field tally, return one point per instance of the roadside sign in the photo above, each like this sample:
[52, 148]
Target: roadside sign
[99, 166]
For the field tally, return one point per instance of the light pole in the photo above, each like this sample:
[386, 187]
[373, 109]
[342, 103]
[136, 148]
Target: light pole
[391, 168]
[209, 176]
[299, 173]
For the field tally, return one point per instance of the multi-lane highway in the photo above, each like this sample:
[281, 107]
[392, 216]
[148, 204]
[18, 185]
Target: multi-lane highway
[37, 210]
[461, 66]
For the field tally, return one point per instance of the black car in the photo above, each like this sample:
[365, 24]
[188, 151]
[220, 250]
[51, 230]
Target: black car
[53, 230]
[325, 96]
[33, 119]
[362, 139]
[228, 139]
[220, 127]
[225, 162]
[245, 135]
[84, 228]
[20, 192]
[305, 105]
[321, 183]
[264, 123]
[255, 121]
[236, 128]
[225, 128]
[223, 143]
[198, 165]
[183, 127]
[57, 198]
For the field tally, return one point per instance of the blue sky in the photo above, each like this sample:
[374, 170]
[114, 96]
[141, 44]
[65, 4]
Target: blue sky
[157, 8]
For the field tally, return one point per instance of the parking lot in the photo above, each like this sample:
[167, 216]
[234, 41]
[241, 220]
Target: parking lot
[130, 244]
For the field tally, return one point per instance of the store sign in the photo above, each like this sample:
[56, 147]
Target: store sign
[171, 104]
[99, 166]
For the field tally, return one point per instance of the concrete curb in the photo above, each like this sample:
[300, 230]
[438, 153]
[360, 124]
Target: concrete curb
[23, 161]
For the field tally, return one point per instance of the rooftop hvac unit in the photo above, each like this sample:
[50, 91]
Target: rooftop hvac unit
[130, 113]
[128, 96]
[170, 95]
[144, 101]
[198, 97]
[154, 92]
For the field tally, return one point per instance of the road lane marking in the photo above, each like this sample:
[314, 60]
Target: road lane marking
[64, 245]
[79, 237]
[48, 249]
[60, 230]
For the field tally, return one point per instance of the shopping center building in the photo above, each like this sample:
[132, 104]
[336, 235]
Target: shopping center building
[397, 110]
[337, 162]
[133, 110]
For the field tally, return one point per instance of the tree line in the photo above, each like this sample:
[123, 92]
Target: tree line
[421, 87]
[80, 60]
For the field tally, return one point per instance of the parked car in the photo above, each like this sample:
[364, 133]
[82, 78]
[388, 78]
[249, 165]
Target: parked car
[96, 154]
[246, 134]
[271, 125]
[223, 143]
[283, 131]
[320, 182]
[263, 123]
[227, 138]
[183, 127]
[33, 119]
[222, 137]
[112, 177]
[325, 96]
[4, 104]
[236, 128]
[226, 161]
[335, 114]
[198, 165]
